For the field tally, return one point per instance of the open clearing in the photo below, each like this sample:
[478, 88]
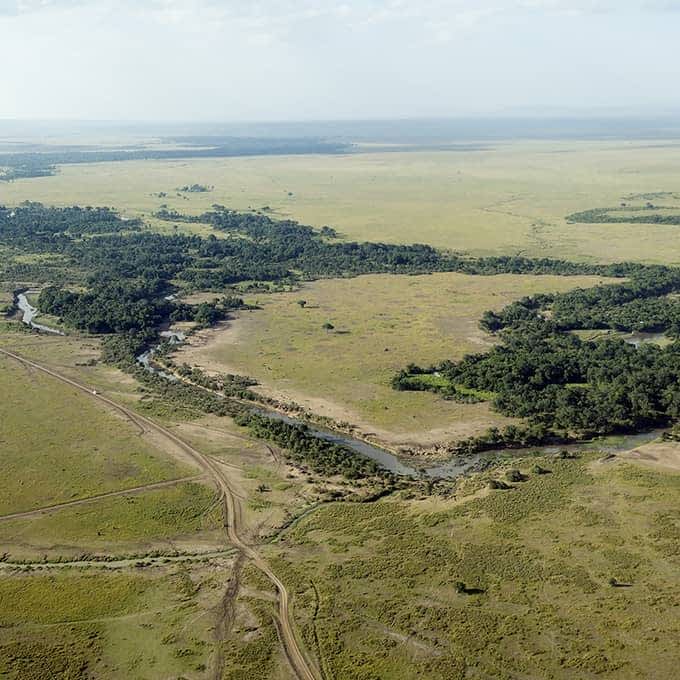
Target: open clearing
[509, 198]
[60, 446]
[375, 583]
[657, 455]
[382, 323]
[181, 517]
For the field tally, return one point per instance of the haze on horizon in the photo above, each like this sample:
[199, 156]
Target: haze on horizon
[225, 60]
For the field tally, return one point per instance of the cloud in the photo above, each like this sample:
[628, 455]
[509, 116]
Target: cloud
[15, 7]
[367, 11]
[276, 59]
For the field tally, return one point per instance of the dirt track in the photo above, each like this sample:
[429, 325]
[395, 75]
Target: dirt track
[303, 668]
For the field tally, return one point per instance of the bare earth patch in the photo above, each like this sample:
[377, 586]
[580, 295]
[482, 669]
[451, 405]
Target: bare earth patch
[664, 455]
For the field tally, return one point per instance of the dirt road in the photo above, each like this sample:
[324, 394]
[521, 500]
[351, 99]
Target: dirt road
[303, 668]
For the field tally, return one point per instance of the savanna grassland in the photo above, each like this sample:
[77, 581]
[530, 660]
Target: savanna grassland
[569, 573]
[58, 446]
[503, 199]
[381, 323]
[91, 622]
[133, 576]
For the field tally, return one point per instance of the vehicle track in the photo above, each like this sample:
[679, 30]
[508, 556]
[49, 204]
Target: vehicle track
[303, 668]
[162, 560]
[227, 609]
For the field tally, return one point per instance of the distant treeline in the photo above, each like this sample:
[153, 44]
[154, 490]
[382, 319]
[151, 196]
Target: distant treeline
[20, 169]
[38, 164]
[642, 215]
[32, 221]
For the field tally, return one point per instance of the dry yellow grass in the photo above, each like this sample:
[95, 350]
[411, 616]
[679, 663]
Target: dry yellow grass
[510, 198]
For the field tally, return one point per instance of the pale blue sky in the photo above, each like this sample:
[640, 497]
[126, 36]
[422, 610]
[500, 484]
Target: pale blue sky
[316, 59]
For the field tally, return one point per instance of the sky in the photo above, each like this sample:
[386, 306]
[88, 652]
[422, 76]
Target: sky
[273, 60]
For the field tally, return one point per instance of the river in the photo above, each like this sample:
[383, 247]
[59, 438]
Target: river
[638, 338]
[461, 465]
[30, 313]
[145, 358]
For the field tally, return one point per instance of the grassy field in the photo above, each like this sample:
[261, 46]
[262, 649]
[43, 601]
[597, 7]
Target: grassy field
[155, 519]
[73, 625]
[181, 517]
[59, 445]
[120, 620]
[570, 574]
[382, 323]
[512, 197]
[375, 584]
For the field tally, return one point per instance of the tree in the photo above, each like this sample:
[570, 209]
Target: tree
[514, 476]
[302, 303]
[328, 326]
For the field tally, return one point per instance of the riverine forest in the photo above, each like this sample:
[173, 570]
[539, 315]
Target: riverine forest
[355, 368]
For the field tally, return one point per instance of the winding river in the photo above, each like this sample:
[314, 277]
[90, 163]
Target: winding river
[461, 465]
[30, 312]
[454, 467]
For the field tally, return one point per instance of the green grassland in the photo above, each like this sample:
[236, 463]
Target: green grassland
[512, 197]
[157, 621]
[59, 445]
[98, 620]
[381, 324]
[74, 625]
[5, 296]
[76, 356]
[375, 584]
[181, 517]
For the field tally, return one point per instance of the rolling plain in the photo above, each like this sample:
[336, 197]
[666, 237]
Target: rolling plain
[117, 556]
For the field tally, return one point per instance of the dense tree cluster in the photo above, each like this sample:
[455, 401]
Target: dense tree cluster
[509, 437]
[641, 304]
[115, 307]
[322, 456]
[625, 215]
[567, 385]
[122, 349]
[30, 222]
[206, 314]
